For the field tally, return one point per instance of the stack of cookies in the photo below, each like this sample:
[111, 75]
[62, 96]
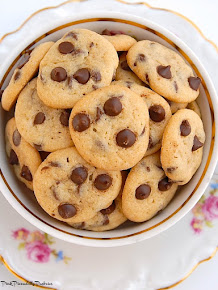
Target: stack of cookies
[105, 128]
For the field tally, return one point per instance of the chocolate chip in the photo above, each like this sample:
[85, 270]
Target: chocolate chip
[67, 210]
[76, 51]
[194, 83]
[150, 143]
[109, 209]
[80, 226]
[99, 144]
[196, 144]
[13, 159]
[185, 128]
[171, 169]
[96, 76]
[128, 84]
[72, 34]
[64, 118]
[54, 193]
[45, 167]
[175, 86]
[39, 118]
[91, 44]
[81, 122]
[106, 32]
[42, 78]
[54, 164]
[111, 32]
[98, 114]
[140, 58]
[125, 138]
[143, 131]
[82, 76]
[25, 173]
[17, 75]
[147, 78]
[58, 74]
[164, 184]
[103, 182]
[65, 47]
[157, 113]
[112, 107]
[124, 65]
[164, 71]
[25, 58]
[94, 87]
[44, 155]
[38, 147]
[16, 138]
[143, 191]
[79, 175]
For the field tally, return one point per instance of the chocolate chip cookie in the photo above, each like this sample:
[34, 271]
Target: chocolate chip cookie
[182, 146]
[176, 106]
[159, 113]
[110, 128]
[147, 190]
[80, 62]
[24, 158]
[164, 70]
[121, 42]
[125, 73]
[194, 106]
[71, 190]
[45, 128]
[26, 69]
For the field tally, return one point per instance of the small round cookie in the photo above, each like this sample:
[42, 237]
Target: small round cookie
[106, 219]
[194, 107]
[176, 106]
[79, 63]
[159, 113]
[45, 128]
[71, 190]
[110, 128]
[164, 70]
[182, 146]
[27, 68]
[124, 72]
[24, 158]
[121, 42]
[147, 190]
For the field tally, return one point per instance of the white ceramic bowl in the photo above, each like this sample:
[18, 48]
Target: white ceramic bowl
[25, 203]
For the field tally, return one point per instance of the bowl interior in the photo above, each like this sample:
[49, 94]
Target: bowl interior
[27, 198]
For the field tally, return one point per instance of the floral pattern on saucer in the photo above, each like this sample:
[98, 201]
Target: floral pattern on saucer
[37, 246]
[206, 210]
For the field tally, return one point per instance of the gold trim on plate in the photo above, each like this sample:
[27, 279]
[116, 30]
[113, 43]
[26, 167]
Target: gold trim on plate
[208, 98]
[20, 277]
[203, 83]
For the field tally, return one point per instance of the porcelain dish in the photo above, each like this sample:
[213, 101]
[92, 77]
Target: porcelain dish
[51, 26]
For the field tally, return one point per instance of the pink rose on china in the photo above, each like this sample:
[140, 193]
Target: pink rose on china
[38, 252]
[210, 208]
